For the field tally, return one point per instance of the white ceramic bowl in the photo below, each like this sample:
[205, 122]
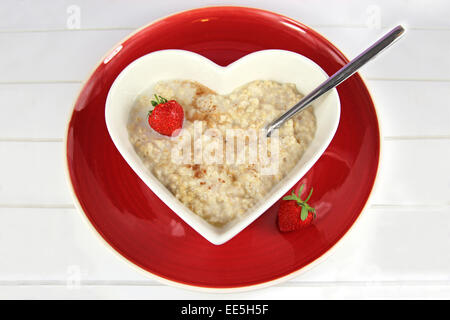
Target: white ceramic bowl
[277, 65]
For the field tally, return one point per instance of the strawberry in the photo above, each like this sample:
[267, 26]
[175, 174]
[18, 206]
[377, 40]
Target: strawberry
[166, 117]
[295, 213]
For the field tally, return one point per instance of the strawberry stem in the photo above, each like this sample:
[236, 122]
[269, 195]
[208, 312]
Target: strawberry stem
[158, 100]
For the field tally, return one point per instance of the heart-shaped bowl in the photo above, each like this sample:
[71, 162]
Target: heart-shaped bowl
[277, 65]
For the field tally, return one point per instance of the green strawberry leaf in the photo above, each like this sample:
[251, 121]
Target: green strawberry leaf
[309, 196]
[294, 197]
[304, 213]
[300, 190]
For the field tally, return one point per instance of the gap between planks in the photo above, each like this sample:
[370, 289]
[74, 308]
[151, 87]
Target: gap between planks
[135, 28]
[6, 83]
[150, 283]
[370, 207]
[386, 138]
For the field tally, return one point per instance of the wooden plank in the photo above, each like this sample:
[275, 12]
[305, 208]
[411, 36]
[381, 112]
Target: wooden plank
[25, 15]
[411, 108]
[56, 56]
[36, 111]
[406, 109]
[406, 59]
[412, 173]
[33, 174]
[55, 246]
[70, 56]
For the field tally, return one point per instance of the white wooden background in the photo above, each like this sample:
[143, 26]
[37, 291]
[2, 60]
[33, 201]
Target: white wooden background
[400, 249]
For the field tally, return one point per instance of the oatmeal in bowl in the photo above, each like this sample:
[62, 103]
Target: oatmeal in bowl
[218, 190]
[218, 172]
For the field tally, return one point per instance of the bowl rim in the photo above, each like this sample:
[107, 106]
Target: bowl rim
[199, 288]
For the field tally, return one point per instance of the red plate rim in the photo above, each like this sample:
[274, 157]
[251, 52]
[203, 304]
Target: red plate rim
[181, 284]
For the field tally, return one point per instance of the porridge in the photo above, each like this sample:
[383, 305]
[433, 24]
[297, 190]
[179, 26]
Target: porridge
[219, 190]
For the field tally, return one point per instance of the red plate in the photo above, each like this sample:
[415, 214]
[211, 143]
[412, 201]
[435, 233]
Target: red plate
[147, 233]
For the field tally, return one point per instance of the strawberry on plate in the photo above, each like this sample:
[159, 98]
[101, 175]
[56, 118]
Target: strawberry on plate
[295, 213]
[166, 117]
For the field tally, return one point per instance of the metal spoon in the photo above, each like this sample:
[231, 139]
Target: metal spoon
[344, 73]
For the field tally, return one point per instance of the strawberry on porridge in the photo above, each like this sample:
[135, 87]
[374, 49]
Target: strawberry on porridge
[213, 186]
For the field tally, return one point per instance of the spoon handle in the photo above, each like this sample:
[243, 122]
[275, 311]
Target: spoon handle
[340, 76]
